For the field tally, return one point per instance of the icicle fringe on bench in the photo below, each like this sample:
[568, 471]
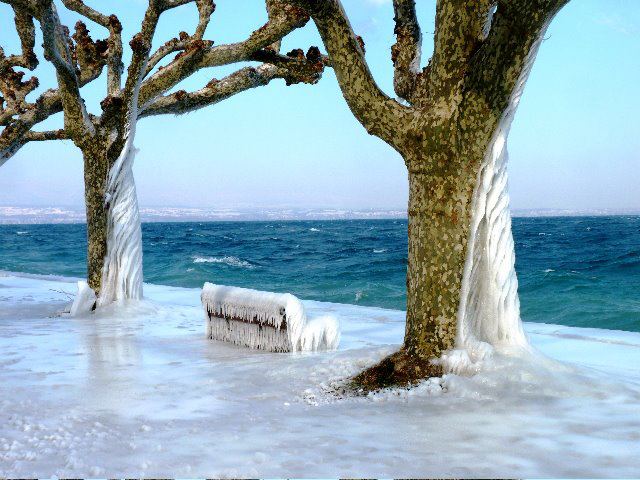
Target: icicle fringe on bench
[275, 322]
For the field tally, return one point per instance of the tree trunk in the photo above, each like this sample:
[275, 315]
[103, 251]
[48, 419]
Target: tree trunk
[461, 282]
[462, 289]
[114, 250]
[122, 272]
[439, 218]
[489, 309]
[96, 168]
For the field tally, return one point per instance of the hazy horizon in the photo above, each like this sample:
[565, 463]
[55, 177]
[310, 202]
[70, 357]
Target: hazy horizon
[21, 215]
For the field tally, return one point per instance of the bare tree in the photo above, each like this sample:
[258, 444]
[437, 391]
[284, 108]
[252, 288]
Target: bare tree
[106, 139]
[450, 125]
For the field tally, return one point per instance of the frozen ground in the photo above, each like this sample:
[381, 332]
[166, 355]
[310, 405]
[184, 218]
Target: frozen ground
[142, 393]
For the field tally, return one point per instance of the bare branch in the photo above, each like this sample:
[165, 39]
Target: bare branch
[205, 10]
[169, 4]
[460, 30]
[115, 66]
[171, 46]
[214, 92]
[516, 31]
[79, 6]
[13, 136]
[200, 53]
[294, 67]
[26, 32]
[113, 53]
[141, 45]
[14, 91]
[27, 6]
[56, 46]
[90, 56]
[379, 114]
[47, 135]
[405, 53]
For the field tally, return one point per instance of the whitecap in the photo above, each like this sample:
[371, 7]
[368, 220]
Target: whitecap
[227, 260]
[379, 250]
[314, 230]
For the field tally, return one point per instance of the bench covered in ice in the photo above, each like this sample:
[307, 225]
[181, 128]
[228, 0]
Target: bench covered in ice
[268, 321]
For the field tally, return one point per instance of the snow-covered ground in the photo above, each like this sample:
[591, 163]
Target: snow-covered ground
[143, 393]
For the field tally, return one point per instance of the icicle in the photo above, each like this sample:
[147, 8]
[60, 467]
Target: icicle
[489, 311]
[270, 321]
[122, 272]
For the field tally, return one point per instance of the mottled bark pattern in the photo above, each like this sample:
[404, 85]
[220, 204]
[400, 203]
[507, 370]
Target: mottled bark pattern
[443, 166]
[96, 168]
[99, 152]
[438, 228]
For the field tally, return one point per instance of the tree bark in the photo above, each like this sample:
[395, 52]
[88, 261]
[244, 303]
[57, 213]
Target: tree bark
[439, 217]
[96, 169]
[122, 273]
[442, 180]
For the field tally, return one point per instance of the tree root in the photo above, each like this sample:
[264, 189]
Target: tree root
[400, 369]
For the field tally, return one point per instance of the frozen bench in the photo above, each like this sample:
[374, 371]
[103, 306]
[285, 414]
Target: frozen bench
[269, 321]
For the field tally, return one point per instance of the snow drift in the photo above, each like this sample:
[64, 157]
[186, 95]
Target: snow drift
[276, 322]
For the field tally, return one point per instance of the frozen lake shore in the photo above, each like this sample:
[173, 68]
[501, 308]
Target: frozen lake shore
[141, 392]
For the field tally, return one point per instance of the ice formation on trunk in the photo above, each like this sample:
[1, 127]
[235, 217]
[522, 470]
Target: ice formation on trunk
[85, 300]
[122, 271]
[489, 310]
[263, 320]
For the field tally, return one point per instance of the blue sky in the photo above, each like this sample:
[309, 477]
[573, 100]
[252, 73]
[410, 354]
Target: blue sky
[575, 142]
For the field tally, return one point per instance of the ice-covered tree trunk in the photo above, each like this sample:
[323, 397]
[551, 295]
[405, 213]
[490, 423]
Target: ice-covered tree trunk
[461, 280]
[451, 130]
[489, 310]
[122, 270]
[114, 241]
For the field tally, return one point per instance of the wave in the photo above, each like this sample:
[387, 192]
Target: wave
[314, 230]
[379, 250]
[227, 260]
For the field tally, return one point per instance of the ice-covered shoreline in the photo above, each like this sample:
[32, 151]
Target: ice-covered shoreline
[143, 393]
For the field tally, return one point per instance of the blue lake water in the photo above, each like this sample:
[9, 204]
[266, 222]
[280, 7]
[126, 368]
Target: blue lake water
[579, 271]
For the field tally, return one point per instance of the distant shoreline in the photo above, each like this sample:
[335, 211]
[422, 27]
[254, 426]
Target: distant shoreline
[69, 215]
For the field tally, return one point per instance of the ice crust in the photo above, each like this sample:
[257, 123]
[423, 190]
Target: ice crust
[276, 322]
[138, 391]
